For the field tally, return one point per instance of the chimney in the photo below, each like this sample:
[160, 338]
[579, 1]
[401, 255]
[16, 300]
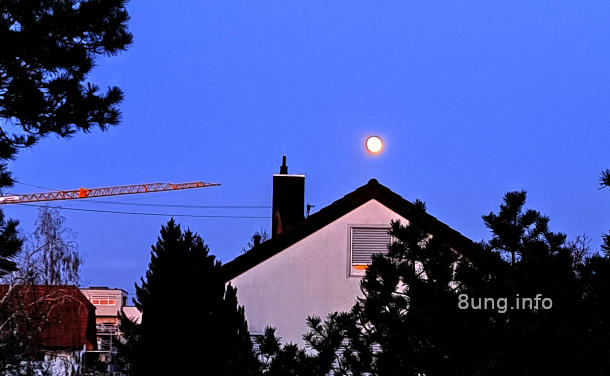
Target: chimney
[257, 239]
[288, 199]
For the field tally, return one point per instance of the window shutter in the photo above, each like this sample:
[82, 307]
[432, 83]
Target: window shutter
[367, 241]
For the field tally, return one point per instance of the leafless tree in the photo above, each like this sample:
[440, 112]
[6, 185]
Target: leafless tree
[26, 309]
[53, 251]
[580, 248]
[50, 257]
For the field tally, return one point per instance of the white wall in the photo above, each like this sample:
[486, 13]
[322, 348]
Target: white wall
[107, 309]
[309, 277]
[133, 313]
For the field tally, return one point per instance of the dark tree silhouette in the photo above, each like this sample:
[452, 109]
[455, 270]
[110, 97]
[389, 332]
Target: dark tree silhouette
[411, 322]
[191, 322]
[512, 228]
[605, 182]
[605, 178]
[10, 244]
[595, 306]
[288, 359]
[48, 49]
[408, 322]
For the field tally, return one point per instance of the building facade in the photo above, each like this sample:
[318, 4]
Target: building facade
[313, 265]
[58, 323]
[108, 304]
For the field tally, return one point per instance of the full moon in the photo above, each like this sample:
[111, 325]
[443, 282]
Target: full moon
[374, 144]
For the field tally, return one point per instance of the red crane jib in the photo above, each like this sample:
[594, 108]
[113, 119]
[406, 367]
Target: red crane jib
[100, 192]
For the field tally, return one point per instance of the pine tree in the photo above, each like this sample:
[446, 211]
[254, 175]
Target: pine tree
[191, 321]
[595, 307]
[407, 323]
[538, 341]
[286, 360]
[605, 182]
[10, 244]
[410, 320]
[48, 49]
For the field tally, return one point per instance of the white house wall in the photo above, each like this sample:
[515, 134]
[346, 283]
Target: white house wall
[308, 278]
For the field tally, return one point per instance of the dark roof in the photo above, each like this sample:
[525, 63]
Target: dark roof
[70, 316]
[371, 190]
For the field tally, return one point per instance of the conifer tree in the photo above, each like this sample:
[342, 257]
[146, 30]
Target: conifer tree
[408, 322]
[48, 48]
[411, 321]
[605, 182]
[286, 360]
[191, 322]
[595, 307]
[10, 244]
[537, 341]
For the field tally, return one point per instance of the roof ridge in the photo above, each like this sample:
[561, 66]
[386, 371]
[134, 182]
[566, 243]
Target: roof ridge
[373, 190]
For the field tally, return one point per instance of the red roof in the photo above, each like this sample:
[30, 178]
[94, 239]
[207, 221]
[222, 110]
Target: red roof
[69, 317]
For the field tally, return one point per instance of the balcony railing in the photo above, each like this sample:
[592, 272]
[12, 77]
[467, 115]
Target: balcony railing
[107, 329]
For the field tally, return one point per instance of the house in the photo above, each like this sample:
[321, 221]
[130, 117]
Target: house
[313, 265]
[109, 303]
[60, 322]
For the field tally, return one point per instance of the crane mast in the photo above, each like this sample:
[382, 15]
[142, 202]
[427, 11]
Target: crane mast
[101, 192]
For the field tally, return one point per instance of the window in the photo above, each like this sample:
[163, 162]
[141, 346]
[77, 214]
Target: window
[364, 243]
[103, 300]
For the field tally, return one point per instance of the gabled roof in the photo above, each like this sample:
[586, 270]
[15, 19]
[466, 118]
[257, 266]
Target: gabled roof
[371, 190]
[66, 316]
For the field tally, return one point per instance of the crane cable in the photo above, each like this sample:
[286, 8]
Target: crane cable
[152, 205]
[142, 213]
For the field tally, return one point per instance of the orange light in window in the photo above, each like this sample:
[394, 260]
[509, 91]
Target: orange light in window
[112, 302]
[96, 301]
[361, 267]
[103, 302]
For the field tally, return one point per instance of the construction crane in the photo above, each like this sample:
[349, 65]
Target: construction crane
[100, 192]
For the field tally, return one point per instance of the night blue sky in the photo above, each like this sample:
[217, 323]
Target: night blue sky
[473, 99]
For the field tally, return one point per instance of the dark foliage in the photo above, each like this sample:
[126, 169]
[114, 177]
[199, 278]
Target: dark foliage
[605, 182]
[191, 322]
[512, 228]
[410, 321]
[10, 244]
[48, 48]
[279, 360]
[605, 178]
